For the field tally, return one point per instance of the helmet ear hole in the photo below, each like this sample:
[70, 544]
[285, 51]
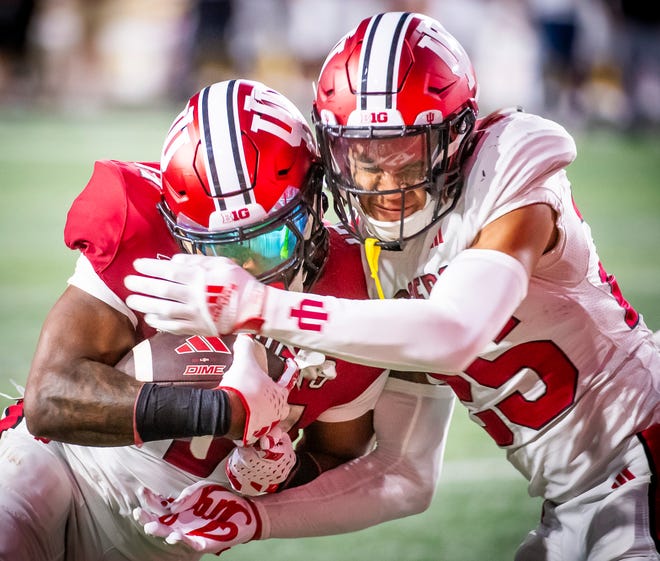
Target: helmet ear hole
[464, 123]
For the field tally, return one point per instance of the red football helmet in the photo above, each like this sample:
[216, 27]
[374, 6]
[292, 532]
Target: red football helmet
[400, 89]
[241, 178]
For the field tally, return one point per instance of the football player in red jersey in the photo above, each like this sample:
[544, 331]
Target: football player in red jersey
[486, 273]
[238, 177]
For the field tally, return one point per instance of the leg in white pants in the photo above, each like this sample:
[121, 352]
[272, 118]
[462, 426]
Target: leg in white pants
[38, 498]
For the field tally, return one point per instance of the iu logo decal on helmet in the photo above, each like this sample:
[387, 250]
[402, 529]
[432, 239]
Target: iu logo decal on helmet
[395, 106]
[241, 178]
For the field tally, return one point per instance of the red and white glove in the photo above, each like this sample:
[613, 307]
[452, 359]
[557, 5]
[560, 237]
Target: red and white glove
[196, 295]
[205, 516]
[261, 468]
[264, 400]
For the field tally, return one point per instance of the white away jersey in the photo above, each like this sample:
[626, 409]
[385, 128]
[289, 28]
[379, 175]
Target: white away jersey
[575, 360]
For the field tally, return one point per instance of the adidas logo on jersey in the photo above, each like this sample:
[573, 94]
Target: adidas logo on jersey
[623, 477]
[197, 344]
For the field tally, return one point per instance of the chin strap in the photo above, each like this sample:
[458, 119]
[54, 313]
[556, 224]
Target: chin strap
[372, 252]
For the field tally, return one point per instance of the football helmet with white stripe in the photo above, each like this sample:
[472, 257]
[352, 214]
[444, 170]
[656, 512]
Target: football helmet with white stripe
[395, 106]
[241, 178]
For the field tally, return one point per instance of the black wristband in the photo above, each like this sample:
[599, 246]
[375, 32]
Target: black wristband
[163, 412]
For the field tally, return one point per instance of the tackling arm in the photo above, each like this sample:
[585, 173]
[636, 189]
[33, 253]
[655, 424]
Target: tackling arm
[470, 303]
[397, 479]
[472, 300]
[468, 306]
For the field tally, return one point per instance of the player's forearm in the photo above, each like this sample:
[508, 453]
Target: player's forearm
[360, 331]
[89, 404]
[397, 479]
[469, 305]
[97, 405]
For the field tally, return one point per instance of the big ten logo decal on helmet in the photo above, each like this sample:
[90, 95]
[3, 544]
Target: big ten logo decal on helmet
[281, 121]
[360, 117]
[228, 216]
[374, 117]
[248, 214]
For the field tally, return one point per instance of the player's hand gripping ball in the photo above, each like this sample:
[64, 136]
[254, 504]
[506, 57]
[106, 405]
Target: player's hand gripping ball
[261, 379]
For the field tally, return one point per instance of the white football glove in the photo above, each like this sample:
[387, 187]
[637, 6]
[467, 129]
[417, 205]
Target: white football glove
[205, 516]
[196, 295]
[264, 400]
[261, 468]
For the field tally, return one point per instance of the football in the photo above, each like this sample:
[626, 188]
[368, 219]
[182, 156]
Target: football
[186, 360]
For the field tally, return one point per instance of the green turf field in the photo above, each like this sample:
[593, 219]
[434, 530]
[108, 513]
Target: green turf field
[481, 509]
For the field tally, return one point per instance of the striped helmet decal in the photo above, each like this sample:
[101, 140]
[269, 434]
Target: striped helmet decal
[224, 156]
[379, 73]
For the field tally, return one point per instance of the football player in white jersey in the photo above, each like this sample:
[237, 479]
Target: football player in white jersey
[482, 272]
[238, 176]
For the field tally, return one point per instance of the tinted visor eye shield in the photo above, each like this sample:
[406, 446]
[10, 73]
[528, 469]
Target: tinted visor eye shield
[260, 248]
[355, 158]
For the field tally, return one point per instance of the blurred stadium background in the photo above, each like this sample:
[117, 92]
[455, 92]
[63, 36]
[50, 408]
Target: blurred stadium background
[82, 80]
